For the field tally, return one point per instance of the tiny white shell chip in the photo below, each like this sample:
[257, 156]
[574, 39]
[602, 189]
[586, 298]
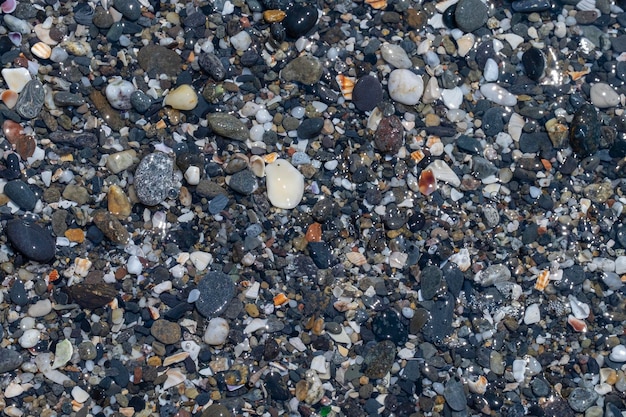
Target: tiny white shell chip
[356, 258]
[285, 184]
[200, 260]
[63, 353]
[79, 394]
[16, 78]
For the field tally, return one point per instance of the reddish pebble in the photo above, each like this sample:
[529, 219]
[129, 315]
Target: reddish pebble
[427, 183]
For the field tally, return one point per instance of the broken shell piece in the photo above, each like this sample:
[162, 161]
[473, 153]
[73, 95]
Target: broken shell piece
[41, 50]
[43, 34]
[270, 157]
[9, 98]
[427, 183]
[578, 325]
[200, 260]
[16, 78]
[257, 166]
[580, 310]
[82, 266]
[63, 353]
[542, 280]
[356, 258]
[280, 299]
[479, 386]
[8, 6]
[13, 390]
[461, 259]
[16, 38]
[174, 377]
[443, 172]
[377, 4]
[346, 85]
[175, 358]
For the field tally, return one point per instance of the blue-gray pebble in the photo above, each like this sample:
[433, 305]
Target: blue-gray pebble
[130, 9]
[31, 240]
[20, 193]
[9, 360]
[153, 178]
[216, 291]
[140, 101]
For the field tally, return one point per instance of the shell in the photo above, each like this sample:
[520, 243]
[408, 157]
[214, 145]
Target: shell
[577, 324]
[270, 158]
[8, 6]
[257, 165]
[462, 259]
[174, 377]
[542, 280]
[16, 38]
[175, 358]
[346, 85]
[82, 266]
[377, 4]
[427, 183]
[479, 386]
[418, 155]
[41, 50]
[356, 258]
[280, 299]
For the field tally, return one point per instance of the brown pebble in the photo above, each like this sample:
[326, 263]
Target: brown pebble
[111, 227]
[166, 331]
[274, 16]
[75, 235]
[118, 203]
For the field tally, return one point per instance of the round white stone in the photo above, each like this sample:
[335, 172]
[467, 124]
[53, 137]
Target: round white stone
[498, 95]
[405, 87]
[491, 70]
[192, 175]
[618, 354]
[79, 394]
[263, 116]
[603, 95]
[285, 184]
[395, 55]
[118, 93]
[216, 332]
[452, 98]
[241, 41]
[29, 338]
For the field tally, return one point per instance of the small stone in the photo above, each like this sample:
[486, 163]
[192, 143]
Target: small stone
[120, 161]
[532, 314]
[497, 94]
[153, 178]
[244, 182]
[534, 63]
[18, 294]
[20, 193]
[603, 96]
[92, 296]
[31, 100]
[130, 9]
[405, 86]
[305, 69]
[454, 394]
[65, 98]
[241, 41]
[379, 359]
[216, 332]
[140, 101]
[40, 308]
[9, 360]
[31, 240]
[118, 93]
[29, 338]
[118, 203]
[76, 193]
[158, 59]
[431, 280]
[618, 353]
[166, 332]
[228, 126]
[580, 399]
[87, 350]
[111, 227]
[470, 15]
[388, 326]
[216, 291]
[395, 56]
[107, 113]
[285, 184]
[585, 131]
[310, 128]
[213, 66]
[367, 93]
[63, 353]
[16, 78]
[389, 136]
[182, 97]
[300, 20]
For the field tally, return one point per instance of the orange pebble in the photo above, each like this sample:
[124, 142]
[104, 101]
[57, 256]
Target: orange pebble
[75, 235]
[280, 299]
[546, 164]
[427, 182]
[314, 233]
[274, 16]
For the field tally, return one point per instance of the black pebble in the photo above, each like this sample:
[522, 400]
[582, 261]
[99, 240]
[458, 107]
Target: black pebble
[585, 131]
[367, 93]
[388, 326]
[300, 20]
[534, 63]
[31, 240]
[17, 293]
[20, 193]
[310, 128]
[320, 253]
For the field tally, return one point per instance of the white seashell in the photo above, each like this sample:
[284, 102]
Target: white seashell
[257, 166]
[43, 34]
[41, 50]
[479, 386]
[532, 314]
[464, 44]
[318, 364]
[461, 259]
[397, 259]
[16, 78]
[63, 353]
[443, 172]
[174, 377]
[252, 293]
[618, 354]
[580, 310]
[498, 95]
[192, 348]
[200, 260]
[356, 258]
[13, 390]
[79, 394]
[285, 184]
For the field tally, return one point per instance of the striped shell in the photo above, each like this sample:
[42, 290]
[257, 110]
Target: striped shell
[356, 258]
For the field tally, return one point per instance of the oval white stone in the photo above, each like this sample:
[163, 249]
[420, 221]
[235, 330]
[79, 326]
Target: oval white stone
[618, 353]
[285, 184]
[216, 332]
[182, 97]
[405, 86]
[29, 338]
[603, 96]
[395, 55]
[118, 93]
[498, 95]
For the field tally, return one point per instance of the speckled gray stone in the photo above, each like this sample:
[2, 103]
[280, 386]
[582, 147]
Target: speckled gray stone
[153, 178]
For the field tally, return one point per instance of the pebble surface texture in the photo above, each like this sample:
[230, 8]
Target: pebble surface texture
[313, 208]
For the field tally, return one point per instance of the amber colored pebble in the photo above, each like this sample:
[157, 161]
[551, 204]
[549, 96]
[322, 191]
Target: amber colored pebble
[427, 183]
[314, 233]
[252, 310]
[274, 16]
[280, 299]
[154, 361]
[318, 326]
[117, 202]
[137, 374]
[302, 387]
[377, 4]
[120, 273]
[75, 235]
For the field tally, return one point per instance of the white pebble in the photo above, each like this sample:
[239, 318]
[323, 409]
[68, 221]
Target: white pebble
[498, 95]
[491, 70]
[298, 112]
[200, 259]
[118, 93]
[256, 133]
[29, 338]
[27, 323]
[241, 41]
[216, 332]
[620, 265]
[285, 184]
[519, 368]
[405, 86]
[263, 116]
[40, 308]
[253, 292]
[532, 314]
[618, 353]
[331, 165]
[395, 55]
[603, 95]
[192, 175]
[452, 98]
[318, 364]
[79, 394]
[134, 265]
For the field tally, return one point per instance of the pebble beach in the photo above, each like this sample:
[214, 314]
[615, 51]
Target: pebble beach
[312, 208]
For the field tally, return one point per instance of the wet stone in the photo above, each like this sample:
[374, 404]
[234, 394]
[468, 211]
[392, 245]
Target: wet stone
[310, 128]
[388, 326]
[530, 6]
[153, 178]
[20, 193]
[300, 20]
[585, 131]
[454, 394]
[111, 227]
[228, 126]
[470, 15]
[469, 144]
[305, 69]
[218, 203]
[83, 14]
[216, 291]
[492, 121]
[534, 63]
[367, 93]
[213, 66]
[31, 99]
[9, 360]
[17, 293]
[580, 399]
[31, 240]
[65, 98]
[439, 326]
[430, 282]
[92, 296]
[166, 332]
[140, 101]
[158, 59]
[379, 359]
[130, 9]
[320, 254]
[389, 136]
[244, 182]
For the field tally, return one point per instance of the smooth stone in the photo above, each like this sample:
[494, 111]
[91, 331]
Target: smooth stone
[285, 184]
[120, 161]
[454, 394]
[18, 294]
[439, 325]
[405, 87]
[213, 66]
[379, 359]
[216, 332]
[21, 194]
[83, 14]
[321, 254]
[229, 126]
[491, 72]
[580, 399]
[603, 96]
[493, 122]
[310, 128]
[471, 15]
[498, 95]
[153, 178]
[140, 101]
[92, 296]
[534, 63]
[367, 93]
[452, 98]
[244, 182]
[216, 291]
[29, 338]
[130, 9]
[9, 360]
[16, 78]
[530, 6]
[31, 240]
[166, 332]
[300, 20]
[387, 325]
[430, 281]
[109, 114]
[395, 56]
[40, 308]
[469, 144]
[158, 59]
[182, 97]
[17, 25]
[31, 99]
[118, 93]
[65, 98]
[218, 203]
[305, 69]
[585, 133]
[241, 41]
[389, 135]
[618, 353]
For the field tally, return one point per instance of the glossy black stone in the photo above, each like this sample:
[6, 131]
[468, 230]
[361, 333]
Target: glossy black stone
[31, 240]
[300, 20]
[388, 326]
[367, 93]
[310, 128]
[534, 63]
[585, 131]
[20, 193]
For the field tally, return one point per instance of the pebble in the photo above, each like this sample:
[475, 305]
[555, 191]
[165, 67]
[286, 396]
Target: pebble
[130, 9]
[153, 178]
[455, 395]
[216, 291]
[31, 99]
[244, 182]
[16, 78]
[405, 86]
[300, 20]
[498, 95]
[9, 360]
[216, 332]
[618, 353]
[305, 69]
[29, 338]
[182, 97]
[379, 359]
[20, 193]
[603, 96]
[534, 63]
[118, 93]
[228, 126]
[367, 93]
[111, 227]
[310, 128]
[585, 133]
[395, 56]
[31, 240]
[156, 58]
[389, 136]
[40, 308]
[166, 332]
[470, 15]
[213, 66]
[285, 184]
[388, 326]
[580, 399]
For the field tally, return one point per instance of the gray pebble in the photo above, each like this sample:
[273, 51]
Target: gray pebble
[153, 178]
